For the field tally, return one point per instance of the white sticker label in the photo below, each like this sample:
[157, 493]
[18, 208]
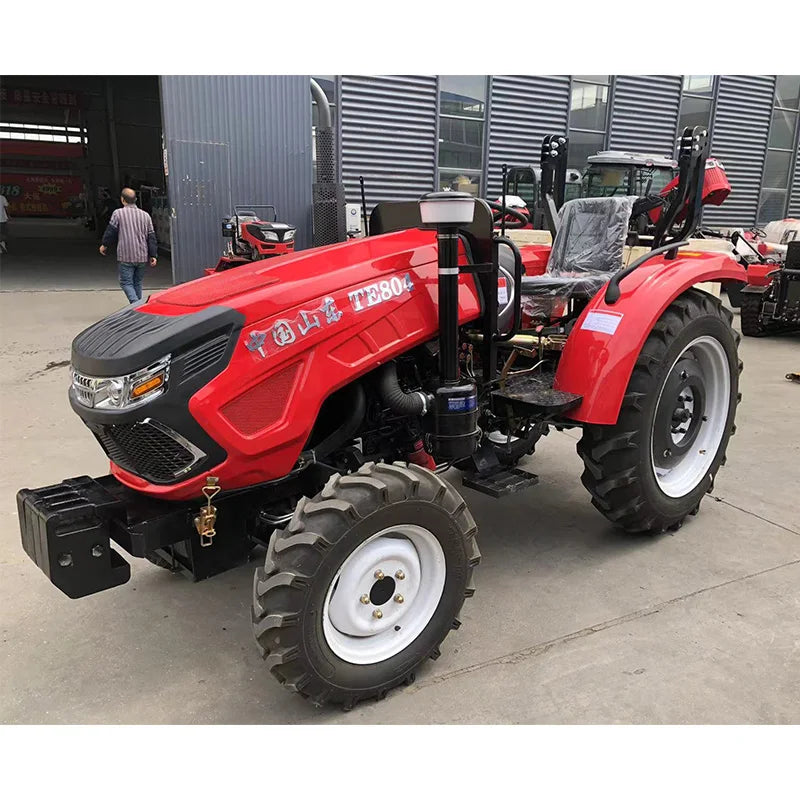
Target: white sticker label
[602, 322]
[502, 292]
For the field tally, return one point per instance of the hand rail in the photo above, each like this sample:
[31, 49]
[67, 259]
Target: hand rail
[518, 273]
[613, 290]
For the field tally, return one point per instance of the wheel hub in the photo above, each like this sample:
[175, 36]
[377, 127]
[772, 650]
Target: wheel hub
[679, 414]
[690, 417]
[384, 557]
[384, 595]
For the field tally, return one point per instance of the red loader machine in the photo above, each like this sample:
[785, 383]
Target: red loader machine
[770, 302]
[252, 238]
[309, 404]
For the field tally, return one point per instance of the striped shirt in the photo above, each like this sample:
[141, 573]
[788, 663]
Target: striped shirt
[133, 227]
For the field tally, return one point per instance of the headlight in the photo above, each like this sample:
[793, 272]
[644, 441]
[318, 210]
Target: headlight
[288, 236]
[138, 387]
[270, 236]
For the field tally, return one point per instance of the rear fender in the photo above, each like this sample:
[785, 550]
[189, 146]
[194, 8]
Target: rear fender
[605, 342]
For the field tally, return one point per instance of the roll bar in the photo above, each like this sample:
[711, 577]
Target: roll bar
[688, 194]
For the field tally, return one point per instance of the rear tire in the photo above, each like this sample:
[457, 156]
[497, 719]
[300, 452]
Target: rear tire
[408, 516]
[650, 469]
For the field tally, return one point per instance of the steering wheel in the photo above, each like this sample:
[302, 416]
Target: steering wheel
[499, 211]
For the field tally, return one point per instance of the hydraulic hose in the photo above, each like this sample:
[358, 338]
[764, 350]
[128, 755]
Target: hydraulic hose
[404, 403]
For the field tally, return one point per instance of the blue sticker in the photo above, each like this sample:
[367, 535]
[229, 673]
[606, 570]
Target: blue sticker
[462, 403]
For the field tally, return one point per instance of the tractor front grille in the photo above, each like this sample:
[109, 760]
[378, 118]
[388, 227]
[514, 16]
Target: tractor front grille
[148, 449]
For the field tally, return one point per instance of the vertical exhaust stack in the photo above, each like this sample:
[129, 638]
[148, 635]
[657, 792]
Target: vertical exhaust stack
[327, 194]
[454, 428]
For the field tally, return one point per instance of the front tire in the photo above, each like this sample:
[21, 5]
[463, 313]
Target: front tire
[325, 617]
[654, 466]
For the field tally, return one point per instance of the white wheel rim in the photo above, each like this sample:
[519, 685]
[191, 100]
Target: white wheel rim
[411, 558]
[687, 473]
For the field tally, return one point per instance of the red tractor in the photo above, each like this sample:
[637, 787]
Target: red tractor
[310, 404]
[253, 238]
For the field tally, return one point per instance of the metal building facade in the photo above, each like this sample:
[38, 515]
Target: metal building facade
[739, 140]
[389, 131]
[233, 140]
[522, 110]
[388, 135]
[644, 114]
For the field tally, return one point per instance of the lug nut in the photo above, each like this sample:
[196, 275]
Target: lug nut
[398, 598]
[378, 575]
[65, 560]
[98, 550]
[667, 453]
[377, 613]
[365, 599]
[400, 575]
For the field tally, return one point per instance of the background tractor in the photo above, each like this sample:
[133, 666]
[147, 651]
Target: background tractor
[252, 238]
[770, 302]
[609, 173]
[311, 405]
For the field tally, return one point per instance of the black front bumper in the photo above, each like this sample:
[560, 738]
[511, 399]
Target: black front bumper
[67, 531]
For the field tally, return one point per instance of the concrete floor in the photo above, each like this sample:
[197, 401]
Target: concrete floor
[49, 256]
[572, 622]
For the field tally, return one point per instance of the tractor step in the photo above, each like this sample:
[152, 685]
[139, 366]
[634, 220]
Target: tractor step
[534, 395]
[501, 483]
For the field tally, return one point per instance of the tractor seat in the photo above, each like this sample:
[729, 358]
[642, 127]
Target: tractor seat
[587, 250]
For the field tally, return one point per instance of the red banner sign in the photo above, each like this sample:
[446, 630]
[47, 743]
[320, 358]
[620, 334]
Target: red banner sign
[39, 97]
[43, 195]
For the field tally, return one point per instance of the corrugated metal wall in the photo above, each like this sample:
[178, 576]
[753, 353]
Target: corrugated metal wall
[524, 108]
[234, 139]
[388, 135]
[645, 112]
[794, 198]
[739, 140]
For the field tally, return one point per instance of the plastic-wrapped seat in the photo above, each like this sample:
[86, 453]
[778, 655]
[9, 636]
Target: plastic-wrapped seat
[587, 250]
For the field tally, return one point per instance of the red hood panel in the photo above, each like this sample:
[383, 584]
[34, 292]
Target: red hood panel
[294, 279]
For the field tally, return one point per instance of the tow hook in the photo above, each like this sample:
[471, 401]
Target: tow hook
[205, 521]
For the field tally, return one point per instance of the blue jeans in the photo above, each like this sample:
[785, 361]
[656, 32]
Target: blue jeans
[130, 279]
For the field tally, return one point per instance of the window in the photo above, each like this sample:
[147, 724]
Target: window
[588, 117]
[40, 133]
[781, 132]
[588, 106]
[462, 115]
[583, 144]
[698, 84]
[522, 183]
[781, 149]
[696, 102]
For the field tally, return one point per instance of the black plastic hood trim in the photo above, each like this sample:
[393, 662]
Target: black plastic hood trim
[130, 339]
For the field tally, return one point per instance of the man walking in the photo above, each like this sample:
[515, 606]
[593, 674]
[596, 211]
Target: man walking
[131, 229]
[3, 223]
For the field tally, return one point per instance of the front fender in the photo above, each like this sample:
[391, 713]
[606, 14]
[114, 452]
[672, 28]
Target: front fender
[605, 342]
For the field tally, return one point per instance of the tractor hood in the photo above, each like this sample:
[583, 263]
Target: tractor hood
[265, 288]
